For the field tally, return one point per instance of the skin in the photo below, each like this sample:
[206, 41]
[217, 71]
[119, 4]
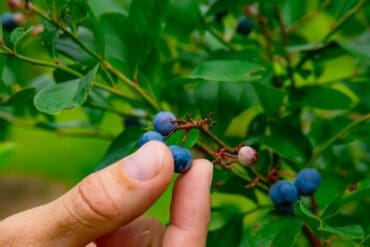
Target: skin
[106, 208]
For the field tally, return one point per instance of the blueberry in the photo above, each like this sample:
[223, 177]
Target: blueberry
[247, 156]
[8, 21]
[307, 181]
[244, 26]
[162, 122]
[150, 136]
[182, 158]
[283, 194]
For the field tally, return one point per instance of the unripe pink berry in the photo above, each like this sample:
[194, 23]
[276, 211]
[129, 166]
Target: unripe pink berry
[247, 156]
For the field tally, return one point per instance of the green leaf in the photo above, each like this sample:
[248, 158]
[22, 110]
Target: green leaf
[144, 27]
[66, 95]
[176, 138]
[219, 218]
[225, 100]
[69, 48]
[321, 97]
[356, 191]
[81, 13]
[362, 91]
[359, 46]
[287, 140]
[232, 183]
[231, 233]
[183, 17]
[269, 97]
[20, 98]
[18, 35]
[107, 6]
[121, 146]
[227, 71]
[272, 230]
[349, 231]
[50, 37]
[317, 224]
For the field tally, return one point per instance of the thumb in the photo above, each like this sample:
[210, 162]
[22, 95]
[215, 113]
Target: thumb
[101, 203]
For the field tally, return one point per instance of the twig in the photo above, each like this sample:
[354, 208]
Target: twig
[33, 61]
[314, 241]
[104, 63]
[306, 17]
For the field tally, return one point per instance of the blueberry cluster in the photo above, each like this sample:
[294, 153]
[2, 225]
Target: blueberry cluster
[284, 194]
[164, 123]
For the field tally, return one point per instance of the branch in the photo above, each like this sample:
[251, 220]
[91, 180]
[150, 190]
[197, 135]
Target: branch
[104, 63]
[33, 61]
[314, 241]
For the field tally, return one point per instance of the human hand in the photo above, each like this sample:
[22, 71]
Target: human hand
[106, 208]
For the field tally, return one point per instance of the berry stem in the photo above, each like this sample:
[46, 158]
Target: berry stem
[216, 139]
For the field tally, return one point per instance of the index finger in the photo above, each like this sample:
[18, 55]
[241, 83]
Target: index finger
[190, 207]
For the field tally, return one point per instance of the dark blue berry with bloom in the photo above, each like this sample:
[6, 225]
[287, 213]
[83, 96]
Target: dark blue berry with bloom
[307, 181]
[150, 136]
[182, 158]
[163, 122]
[283, 194]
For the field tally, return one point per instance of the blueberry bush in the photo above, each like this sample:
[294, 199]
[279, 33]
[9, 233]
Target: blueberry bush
[275, 93]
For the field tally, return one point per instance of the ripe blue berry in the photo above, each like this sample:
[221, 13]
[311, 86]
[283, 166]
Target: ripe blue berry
[307, 181]
[283, 194]
[182, 158]
[150, 136]
[8, 21]
[162, 122]
[244, 26]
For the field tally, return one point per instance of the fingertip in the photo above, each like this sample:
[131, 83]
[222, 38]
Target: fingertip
[163, 153]
[203, 168]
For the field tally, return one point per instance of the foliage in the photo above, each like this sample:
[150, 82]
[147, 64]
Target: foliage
[296, 89]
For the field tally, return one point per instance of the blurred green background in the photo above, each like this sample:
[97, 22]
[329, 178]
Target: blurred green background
[36, 165]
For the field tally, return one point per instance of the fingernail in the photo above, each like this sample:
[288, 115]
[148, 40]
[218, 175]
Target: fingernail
[146, 163]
